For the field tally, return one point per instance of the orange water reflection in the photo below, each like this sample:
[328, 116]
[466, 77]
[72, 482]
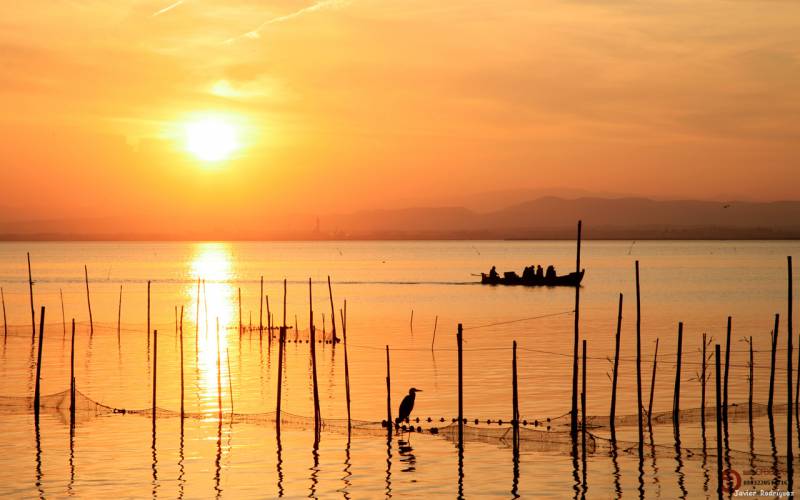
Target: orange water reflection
[212, 304]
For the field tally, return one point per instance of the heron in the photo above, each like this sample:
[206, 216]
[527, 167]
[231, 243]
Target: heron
[406, 406]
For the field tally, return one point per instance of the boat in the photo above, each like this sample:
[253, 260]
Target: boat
[512, 278]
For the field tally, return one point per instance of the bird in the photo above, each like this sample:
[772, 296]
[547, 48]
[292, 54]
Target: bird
[406, 406]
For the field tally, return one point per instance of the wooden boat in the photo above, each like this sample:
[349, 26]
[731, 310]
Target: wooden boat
[512, 278]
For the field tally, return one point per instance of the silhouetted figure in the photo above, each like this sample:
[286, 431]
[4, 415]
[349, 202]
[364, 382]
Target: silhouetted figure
[551, 272]
[493, 272]
[407, 405]
[539, 272]
[528, 273]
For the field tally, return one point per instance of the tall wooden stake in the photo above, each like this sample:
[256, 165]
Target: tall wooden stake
[30, 287]
[269, 321]
[772, 364]
[750, 394]
[613, 412]
[261, 308]
[240, 311]
[119, 315]
[574, 411]
[5, 321]
[181, 340]
[459, 341]
[718, 407]
[388, 392]
[435, 324]
[583, 401]
[725, 380]
[652, 384]
[72, 387]
[155, 371]
[88, 300]
[703, 383]
[230, 377]
[346, 367]
[148, 314]
[63, 315]
[37, 391]
[333, 314]
[284, 303]
[639, 363]
[197, 321]
[313, 342]
[789, 457]
[281, 340]
[676, 398]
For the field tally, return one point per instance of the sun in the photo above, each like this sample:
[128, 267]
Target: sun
[211, 139]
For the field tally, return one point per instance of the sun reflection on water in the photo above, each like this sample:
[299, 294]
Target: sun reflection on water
[212, 303]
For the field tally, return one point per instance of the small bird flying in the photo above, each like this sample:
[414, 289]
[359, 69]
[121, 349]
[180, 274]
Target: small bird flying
[406, 406]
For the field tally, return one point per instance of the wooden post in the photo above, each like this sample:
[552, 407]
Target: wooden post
[182, 387]
[676, 398]
[284, 303]
[514, 387]
[459, 340]
[725, 380]
[269, 321]
[148, 315]
[30, 287]
[411, 324]
[219, 372]
[515, 418]
[197, 321]
[583, 402]
[240, 311]
[388, 393]
[312, 342]
[574, 410]
[72, 387]
[435, 323]
[5, 322]
[613, 412]
[719, 422]
[119, 316]
[333, 314]
[789, 457]
[88, 300]
[63, 316]
[639, 362]
[230, 377]
[37, 391]
[652, 385]
[281, 340]
[703, 384]
[750, 394]
[261, 308]
[346, 367]
[772, 364]
[155, 371]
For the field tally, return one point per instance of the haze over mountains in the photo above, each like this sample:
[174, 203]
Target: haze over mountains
[546, 217]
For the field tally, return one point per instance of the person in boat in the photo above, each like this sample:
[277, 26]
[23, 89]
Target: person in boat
[539, 272]
[551, 272]
[528, 273]
[493, 273]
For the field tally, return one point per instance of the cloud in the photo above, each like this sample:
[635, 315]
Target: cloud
[316, 7]
[167, 8]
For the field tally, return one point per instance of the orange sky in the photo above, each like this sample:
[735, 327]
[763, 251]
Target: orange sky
[343, 104]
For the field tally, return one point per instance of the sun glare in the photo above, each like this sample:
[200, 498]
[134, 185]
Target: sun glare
[211, 139]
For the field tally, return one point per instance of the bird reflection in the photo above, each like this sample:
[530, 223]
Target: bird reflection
[407, 457]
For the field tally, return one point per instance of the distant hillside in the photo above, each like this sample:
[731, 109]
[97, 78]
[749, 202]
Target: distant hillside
[543, 218]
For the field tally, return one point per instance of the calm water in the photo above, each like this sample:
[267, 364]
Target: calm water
[699, 283]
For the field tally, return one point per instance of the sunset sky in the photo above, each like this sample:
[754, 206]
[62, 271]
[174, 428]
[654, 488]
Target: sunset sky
[340, 105]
